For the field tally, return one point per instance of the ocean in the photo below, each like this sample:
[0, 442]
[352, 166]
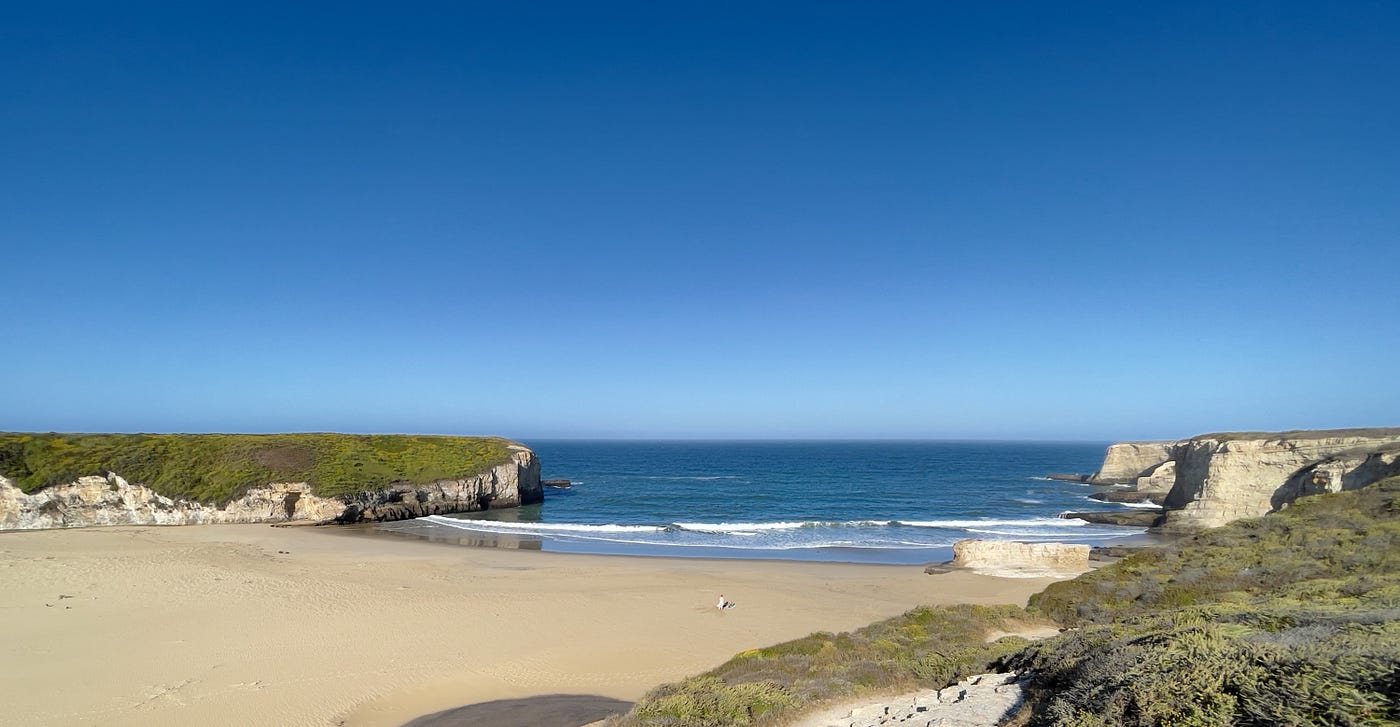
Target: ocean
[862, 501]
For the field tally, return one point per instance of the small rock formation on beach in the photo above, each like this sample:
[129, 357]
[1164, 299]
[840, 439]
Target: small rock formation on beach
[110, 499]
[1010, 559]
[1212, 479]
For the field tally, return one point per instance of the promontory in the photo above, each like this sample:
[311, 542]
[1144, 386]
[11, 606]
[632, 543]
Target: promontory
[1212, 479]
[73, 480]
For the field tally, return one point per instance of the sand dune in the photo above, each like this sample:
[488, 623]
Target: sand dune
[253, 625]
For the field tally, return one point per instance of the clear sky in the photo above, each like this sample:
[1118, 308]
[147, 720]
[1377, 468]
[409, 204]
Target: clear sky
[1099, 220]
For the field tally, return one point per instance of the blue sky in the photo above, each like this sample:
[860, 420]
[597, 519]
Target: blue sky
[924, 220]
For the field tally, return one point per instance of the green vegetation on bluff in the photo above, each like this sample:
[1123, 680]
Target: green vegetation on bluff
[1302, 434]
[928, 645]
[1289, 619]
[219, 467]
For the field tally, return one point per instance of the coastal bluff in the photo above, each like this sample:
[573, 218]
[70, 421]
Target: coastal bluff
[1212, 479]
[79, 480]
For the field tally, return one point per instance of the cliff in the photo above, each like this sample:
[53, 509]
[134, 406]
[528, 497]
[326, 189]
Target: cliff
[1225, 477]
[56, 480]
[1124, 462]
[1212, 479]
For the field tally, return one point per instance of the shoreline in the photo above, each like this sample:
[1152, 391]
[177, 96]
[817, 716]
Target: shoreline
[144, 625]
[505, 541]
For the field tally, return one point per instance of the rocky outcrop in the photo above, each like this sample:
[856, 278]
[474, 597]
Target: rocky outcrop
[1125, 462]
[1159, 480]
[1136, 518]
[1213, 479]
[111, 500]
[1021, 560]
[1130, 496]
[1225, 477]
[979, 701]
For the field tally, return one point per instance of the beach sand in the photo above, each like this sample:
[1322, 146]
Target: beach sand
[255, 625]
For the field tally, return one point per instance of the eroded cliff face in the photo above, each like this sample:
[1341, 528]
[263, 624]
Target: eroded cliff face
[111, 500]
[1221, 478]
[1125, 462]
[1159, 480]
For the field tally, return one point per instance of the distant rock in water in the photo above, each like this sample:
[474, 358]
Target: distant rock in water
[1068, 476]
[1129, 496]
[560, 484]
[1141, 518]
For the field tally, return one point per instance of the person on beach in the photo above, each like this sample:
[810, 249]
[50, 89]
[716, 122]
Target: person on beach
[723, 604]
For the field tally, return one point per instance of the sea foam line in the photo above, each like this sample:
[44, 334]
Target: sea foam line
[547, 527]
[1049, 522]
[1027, 526]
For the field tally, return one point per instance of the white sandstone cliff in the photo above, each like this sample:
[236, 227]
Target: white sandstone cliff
[1125, 462]
[1159, 480]
[1221, 478]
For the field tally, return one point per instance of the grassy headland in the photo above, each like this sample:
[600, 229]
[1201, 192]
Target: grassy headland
[1301, 434]
[1289, 619]
[216, 468]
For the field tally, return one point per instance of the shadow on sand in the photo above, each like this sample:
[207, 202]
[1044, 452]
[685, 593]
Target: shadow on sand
[554, 710]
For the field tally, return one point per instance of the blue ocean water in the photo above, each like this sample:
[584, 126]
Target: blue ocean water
[881, 502]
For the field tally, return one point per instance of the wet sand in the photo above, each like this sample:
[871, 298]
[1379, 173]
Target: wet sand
[249, 624]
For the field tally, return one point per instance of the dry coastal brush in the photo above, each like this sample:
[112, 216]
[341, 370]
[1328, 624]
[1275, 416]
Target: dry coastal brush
[216, 468]
[928, 645]
[1289, 619]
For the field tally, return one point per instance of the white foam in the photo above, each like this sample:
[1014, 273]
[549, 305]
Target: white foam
[1145, 504]
[1025, 534]
[1048, 522]
[501, 525]
[740, 527]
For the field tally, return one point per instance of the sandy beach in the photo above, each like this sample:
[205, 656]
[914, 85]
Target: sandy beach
[255, 625]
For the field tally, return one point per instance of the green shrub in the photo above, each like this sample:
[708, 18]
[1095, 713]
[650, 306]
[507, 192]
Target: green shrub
[926, 647]
[219, 467]
[1321, 546]
[1290, 619]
